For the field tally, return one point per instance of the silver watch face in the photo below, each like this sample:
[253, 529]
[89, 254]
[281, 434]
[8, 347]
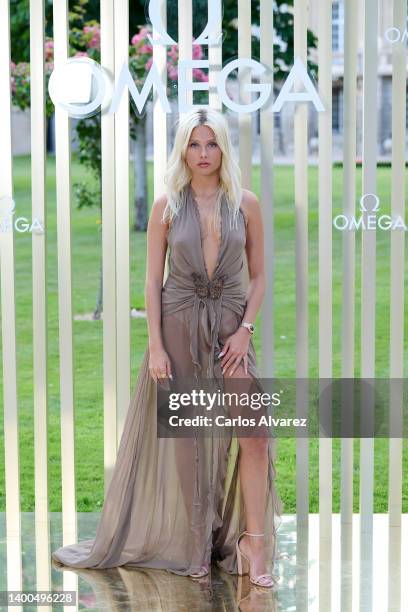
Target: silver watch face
[249, 326]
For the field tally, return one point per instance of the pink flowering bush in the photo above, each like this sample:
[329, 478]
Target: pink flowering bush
[141, 59]
[20, 80]
[85, 42]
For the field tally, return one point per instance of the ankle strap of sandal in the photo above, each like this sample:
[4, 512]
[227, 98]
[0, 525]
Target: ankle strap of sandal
[254, 534]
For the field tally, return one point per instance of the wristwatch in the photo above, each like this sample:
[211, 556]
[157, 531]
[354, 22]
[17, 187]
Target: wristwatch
[250, 326]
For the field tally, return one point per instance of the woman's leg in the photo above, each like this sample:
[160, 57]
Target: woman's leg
[253, 471]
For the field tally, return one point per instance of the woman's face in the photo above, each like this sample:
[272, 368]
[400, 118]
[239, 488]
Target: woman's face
[203, 155]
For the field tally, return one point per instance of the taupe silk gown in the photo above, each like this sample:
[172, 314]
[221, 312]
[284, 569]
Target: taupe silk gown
[176, 503]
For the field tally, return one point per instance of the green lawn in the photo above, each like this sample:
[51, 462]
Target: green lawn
[86, 245]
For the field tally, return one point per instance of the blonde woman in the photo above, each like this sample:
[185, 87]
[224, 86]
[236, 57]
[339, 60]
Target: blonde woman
[178, 503]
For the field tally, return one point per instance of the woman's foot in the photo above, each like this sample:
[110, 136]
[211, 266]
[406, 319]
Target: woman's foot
[203, 571]
[253, 549]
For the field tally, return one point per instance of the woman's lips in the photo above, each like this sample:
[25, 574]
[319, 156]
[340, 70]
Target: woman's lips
[204, 164]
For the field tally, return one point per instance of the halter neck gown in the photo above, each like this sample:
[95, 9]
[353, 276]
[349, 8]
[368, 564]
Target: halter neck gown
[176, 503]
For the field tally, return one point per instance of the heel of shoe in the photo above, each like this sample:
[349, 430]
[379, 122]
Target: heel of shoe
[242, 561]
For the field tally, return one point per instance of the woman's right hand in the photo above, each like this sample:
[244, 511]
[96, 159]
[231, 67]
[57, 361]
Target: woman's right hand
[159, 364]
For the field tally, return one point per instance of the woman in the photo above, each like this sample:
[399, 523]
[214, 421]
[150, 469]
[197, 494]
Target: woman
[177, 503]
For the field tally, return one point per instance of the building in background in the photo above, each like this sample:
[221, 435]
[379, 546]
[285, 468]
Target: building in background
[283, 121]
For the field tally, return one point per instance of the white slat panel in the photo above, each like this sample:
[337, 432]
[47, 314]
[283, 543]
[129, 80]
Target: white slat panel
[108, 251]
[39, 243]
[397, 253]
[325, 292]
[244, 77]
[397, 300]
[185, 39]
[63, 196]
[160, 122]
[349, 198]
[301, 212]
[351, 26]
[368, 280]
[267, 194]
[8, 318]
[215, 60]
[63, 199]
[121, 20]
[245, 119]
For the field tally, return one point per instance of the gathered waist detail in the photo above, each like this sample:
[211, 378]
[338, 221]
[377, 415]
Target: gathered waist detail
[205, 298]
[208, 292]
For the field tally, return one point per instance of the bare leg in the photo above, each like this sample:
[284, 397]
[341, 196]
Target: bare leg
[253, 470]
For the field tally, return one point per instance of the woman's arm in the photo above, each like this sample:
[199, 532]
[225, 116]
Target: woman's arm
[156, 256]
[236, 346]
[255, 256]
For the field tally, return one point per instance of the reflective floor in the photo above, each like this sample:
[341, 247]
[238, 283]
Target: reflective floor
[343, 581]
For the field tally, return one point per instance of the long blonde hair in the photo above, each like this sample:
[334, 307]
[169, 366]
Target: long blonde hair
[178, 174]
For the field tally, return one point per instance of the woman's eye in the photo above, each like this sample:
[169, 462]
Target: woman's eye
[210, 144]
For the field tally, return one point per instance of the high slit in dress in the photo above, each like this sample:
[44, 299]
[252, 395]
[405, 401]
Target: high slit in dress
[176, 503]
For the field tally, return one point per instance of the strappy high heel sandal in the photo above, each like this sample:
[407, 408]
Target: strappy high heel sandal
[244, 567]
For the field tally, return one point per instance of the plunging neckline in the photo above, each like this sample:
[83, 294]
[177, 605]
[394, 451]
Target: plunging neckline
[218, 261]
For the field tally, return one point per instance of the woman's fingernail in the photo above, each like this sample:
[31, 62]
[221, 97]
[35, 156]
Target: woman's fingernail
[171, 377]
[220, 354]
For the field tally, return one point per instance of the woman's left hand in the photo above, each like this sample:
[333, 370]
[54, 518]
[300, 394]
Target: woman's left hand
[234, 350]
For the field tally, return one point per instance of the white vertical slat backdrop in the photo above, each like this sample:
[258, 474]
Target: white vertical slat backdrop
[244, 78]
[65, 314]
[301, 261]
[185, 37]
[63, 197]
[39, 254]
[325, 291]
[115, 244]
[160, 122]
[267, 191]
[351, 26]
[8, 318]
[108, 186]
[121, 21]
[368, 289]
[398, 192]
[215, 62]
[399, 96]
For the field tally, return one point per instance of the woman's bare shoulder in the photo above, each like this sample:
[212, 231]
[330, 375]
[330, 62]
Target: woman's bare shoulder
[159, 204]
[158, 208]
[249, 204]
